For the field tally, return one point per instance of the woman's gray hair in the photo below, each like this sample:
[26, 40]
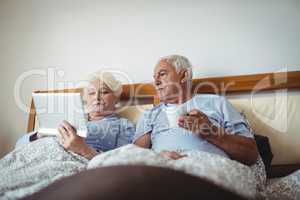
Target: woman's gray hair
[109, 79]
[179, 62]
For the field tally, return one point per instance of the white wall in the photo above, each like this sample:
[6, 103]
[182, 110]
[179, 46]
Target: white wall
[76, 36]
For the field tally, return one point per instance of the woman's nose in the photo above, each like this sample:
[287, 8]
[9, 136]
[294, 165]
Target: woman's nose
[98, 96]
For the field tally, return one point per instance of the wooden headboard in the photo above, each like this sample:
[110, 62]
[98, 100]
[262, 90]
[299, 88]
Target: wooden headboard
[144, 93]
[141, 93]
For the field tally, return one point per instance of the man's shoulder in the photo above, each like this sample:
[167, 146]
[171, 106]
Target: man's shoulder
[155, 108]
[151, 112]
[208, 100]
[210, 97]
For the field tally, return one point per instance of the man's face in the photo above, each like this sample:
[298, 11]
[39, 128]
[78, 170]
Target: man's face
[166, 82]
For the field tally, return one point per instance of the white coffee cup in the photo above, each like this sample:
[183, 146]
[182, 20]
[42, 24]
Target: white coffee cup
[173, 112]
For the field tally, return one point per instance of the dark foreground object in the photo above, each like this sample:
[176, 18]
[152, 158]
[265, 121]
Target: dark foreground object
[132, 183]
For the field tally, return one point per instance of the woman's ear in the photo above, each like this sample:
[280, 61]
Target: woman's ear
[118, 105]
[117, 101]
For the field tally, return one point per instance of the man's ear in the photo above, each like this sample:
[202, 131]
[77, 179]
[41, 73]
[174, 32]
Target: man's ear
[183, 75]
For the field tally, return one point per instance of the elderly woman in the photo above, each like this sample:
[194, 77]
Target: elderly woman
[106, 130]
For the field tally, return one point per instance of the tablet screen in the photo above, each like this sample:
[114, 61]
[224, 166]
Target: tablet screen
[53, 108]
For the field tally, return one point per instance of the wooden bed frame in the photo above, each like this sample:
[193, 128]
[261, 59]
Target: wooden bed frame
[144, 93]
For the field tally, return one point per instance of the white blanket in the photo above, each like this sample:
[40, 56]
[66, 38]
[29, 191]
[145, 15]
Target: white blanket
[30, 168]
[224, 172]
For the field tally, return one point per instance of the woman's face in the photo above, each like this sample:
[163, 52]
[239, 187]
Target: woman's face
[100, 99]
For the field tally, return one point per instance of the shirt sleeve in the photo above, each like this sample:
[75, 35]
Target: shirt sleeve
[143, 126]
[234, 122]
[126, 134]
[25, 139]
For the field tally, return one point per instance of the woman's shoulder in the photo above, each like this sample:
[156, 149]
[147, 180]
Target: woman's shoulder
[125, 122]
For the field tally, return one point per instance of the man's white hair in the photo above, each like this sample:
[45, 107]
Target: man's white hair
[179, 62]
[108, 78]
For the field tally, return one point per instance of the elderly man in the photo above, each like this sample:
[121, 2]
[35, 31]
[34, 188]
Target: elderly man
[209, 122]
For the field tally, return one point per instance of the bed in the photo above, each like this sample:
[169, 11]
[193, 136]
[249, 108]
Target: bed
[269, 101]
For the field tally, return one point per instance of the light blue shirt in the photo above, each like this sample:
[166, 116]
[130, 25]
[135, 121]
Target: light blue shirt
[106, 134]
[109, 133]
[165, 136]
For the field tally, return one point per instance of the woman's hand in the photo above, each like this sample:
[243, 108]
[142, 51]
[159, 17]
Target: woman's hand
[72, 142]
[172, 154]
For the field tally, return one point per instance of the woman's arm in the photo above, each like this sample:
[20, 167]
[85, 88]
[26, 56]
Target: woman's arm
[26, 139]
[73, 142]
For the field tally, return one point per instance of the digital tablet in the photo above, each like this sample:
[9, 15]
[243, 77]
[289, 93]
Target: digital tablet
[53, 108]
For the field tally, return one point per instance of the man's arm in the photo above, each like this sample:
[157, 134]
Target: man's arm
[144, 141]
[237, 147]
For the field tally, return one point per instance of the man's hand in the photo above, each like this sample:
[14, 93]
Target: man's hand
[196, 122]
[172, 154]
[238, 147]
[72, 142]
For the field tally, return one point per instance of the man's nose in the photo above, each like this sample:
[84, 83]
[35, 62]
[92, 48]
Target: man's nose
[157, 80]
